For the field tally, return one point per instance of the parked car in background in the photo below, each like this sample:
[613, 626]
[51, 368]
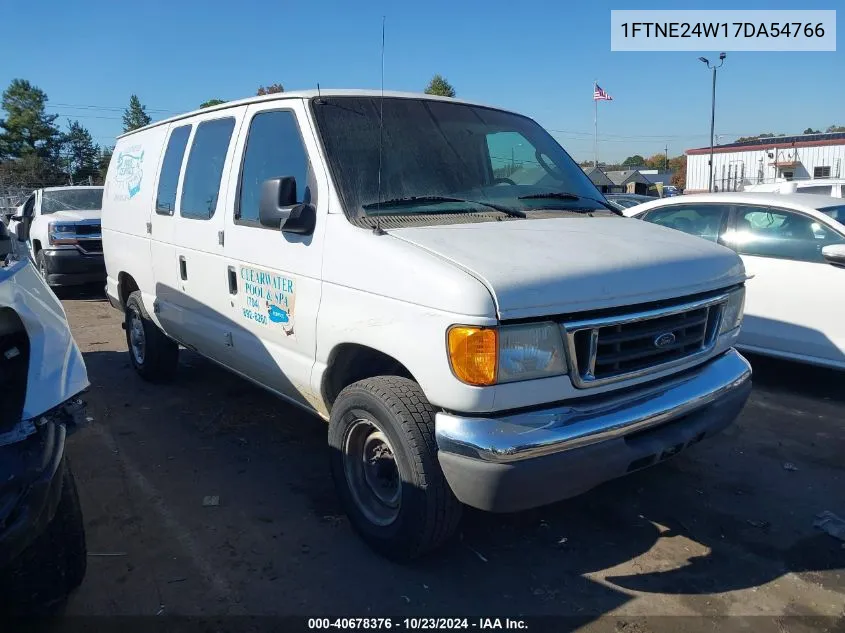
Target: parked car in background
[671, 190]
[793, 246]
[624, 201]
[473, 338]
[42, 537]
[61, 226]
[834, 187]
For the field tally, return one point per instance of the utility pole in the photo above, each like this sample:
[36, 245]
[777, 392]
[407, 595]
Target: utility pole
[666, 158]
[712, 110]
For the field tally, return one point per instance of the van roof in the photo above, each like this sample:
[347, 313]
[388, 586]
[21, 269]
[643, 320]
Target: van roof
[302, 94]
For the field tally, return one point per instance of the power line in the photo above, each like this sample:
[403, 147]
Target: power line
[112, 108]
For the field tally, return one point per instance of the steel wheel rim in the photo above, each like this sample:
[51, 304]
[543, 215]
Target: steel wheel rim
[42, 267]
[371, 472]
[137, 337]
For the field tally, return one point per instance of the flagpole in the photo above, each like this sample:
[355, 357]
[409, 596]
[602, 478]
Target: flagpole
[596, 125]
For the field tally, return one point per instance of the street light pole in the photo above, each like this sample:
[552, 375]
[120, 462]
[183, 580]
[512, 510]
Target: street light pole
[712, 110]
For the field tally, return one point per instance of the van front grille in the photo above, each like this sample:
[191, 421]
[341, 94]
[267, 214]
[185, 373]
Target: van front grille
[627, 345]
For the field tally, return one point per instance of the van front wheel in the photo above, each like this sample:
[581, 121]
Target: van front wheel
[385, 469]
[154, 356]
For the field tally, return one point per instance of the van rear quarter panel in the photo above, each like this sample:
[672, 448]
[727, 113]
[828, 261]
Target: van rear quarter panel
[128, 201]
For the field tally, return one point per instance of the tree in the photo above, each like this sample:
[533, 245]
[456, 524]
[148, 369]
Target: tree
[29, 138]
[103, 161]
[439, 86]
[835, 128]
[80, 152]
[135, 115]
[810, 130]
[586, 163]
[679, 167]
[271, 89]
[211, 102]
[656, 161]
[742, 139]
[633, 161]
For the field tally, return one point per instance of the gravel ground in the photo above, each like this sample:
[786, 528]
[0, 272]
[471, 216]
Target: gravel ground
[723, 530]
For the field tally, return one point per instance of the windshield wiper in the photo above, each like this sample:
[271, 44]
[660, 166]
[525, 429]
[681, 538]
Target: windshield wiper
[425, 200]
[565, 195]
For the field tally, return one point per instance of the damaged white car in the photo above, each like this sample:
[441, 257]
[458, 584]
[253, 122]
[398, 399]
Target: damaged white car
[42, 538]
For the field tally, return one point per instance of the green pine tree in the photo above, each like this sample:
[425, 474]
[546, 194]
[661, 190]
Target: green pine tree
[439, 86]
[135, 115]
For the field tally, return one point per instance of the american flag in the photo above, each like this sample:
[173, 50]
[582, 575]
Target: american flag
[600, 95]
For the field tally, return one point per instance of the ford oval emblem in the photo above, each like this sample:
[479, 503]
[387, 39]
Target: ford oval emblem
[664, 340]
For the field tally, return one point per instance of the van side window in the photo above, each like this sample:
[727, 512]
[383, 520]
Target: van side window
[170, 167]
[205, 168]
[274, 149]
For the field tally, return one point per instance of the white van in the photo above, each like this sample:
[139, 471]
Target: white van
[834, 187]
[470, 340]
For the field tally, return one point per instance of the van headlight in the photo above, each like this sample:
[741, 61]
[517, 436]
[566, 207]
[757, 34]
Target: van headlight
[490, 355]
[733, 311]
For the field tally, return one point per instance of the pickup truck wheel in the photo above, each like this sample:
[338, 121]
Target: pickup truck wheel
[385, 469]
[41, 263]
[154, 355]
[54, 564]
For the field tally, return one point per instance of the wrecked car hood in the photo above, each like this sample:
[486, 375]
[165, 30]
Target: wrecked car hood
[541, 267]
[56, 368]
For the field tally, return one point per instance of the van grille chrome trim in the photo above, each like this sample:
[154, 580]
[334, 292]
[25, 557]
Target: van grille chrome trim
[629, 345]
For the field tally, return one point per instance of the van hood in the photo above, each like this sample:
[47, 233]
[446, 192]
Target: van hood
[73, 216]
[561, 265]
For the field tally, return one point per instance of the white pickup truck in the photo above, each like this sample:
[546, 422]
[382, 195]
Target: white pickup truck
[61, 226]
[439, 280]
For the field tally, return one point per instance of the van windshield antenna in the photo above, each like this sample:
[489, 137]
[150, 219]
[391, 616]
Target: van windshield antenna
[381, 115]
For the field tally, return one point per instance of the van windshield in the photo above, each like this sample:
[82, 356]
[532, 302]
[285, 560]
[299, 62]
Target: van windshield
[836, 212]
[71, 200]
[442, 157]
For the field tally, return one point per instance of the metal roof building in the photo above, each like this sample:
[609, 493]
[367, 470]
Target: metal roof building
[765, 160]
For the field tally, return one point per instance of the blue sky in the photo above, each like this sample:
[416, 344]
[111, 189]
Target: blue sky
[539, 58]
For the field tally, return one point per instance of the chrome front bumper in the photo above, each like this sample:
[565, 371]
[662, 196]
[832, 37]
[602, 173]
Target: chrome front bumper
[568, 449]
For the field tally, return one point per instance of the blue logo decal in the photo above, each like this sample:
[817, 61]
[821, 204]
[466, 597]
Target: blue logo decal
[277, 315]
[129, 171]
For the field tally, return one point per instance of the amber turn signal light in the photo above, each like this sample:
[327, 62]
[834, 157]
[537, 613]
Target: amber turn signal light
[473, 354]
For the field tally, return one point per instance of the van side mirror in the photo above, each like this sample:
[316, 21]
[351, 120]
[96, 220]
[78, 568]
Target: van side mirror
[277, 207]
[278, 196]
[16, 218]
[834, 254]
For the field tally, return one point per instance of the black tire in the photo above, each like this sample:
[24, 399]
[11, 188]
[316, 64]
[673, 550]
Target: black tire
[54, 564]
[160, 356]
[428, 512]
[41, 264]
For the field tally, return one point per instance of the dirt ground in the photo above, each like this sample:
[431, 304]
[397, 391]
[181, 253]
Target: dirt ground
[724, 529]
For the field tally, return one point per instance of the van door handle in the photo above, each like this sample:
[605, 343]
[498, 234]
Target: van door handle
[233, 281]
[183, 268]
